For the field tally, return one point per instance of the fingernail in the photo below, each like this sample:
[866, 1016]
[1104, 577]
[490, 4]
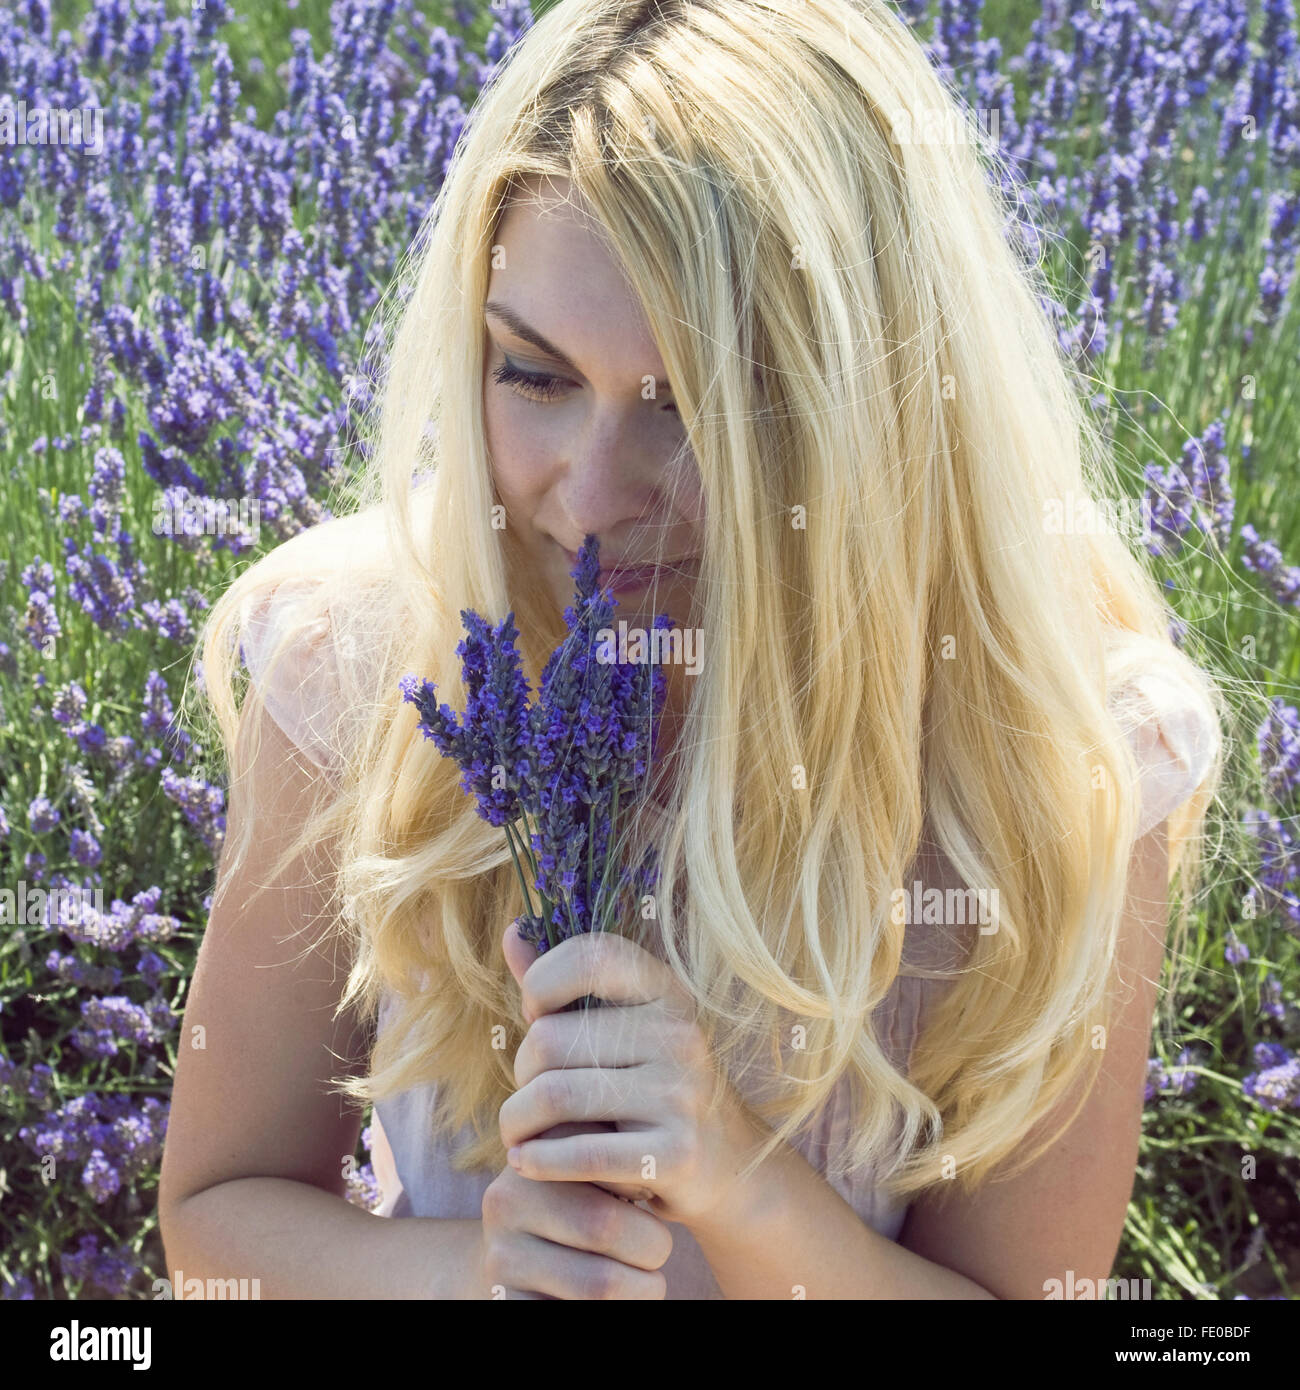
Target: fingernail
[513, 1157]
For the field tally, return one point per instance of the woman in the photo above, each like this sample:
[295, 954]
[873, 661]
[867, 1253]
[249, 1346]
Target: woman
[692, 287]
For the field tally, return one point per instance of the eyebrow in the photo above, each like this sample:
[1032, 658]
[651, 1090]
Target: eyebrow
[543, 344]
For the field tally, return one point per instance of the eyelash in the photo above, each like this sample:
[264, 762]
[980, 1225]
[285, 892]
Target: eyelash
[546, 388]
[525, 384]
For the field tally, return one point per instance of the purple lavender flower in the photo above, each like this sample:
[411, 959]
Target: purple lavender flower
[1206, 465]
[107, 483]
[89, 738]
[76, 972]
[109, 1271]
[1169, 501]
[363, 1187]
[1276, 1083]
[202, 804]
[1157, 1079]
[1263, 558]
[1181, 1077]
[1270, 1054]
[40, 623]
[104, 587]
[171, 618]
[109, 1022]
[1278, 740]
[490, 746]
[111, 1138]
[151, 967]
[33, 1081]
[562, 764]
[84, 848]
[42, 816]
[124, 924]
[100, 1178]
[68, 704]
[159, 719]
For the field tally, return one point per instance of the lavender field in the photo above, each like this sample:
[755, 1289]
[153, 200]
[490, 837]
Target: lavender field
[200, 209]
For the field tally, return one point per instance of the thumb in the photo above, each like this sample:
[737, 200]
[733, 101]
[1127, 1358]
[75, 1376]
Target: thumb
[520, 954]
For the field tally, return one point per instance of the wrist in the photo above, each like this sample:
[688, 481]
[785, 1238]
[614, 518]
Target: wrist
[741, 1200]
[476, 1266]
[460, 1272]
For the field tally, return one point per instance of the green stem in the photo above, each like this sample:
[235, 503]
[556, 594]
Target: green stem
[613, 849]
[547, 905]
[523, 882]
[591, 835]
[525, 844]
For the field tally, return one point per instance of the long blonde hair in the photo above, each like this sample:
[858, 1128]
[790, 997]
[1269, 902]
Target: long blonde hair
[881, 418]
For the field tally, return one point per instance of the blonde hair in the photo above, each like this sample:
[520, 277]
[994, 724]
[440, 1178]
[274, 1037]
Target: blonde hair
[852, 342]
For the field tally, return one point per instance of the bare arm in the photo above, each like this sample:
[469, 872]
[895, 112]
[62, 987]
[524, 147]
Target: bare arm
[1008, 1240]
[1066, 1212]
[302, 1242]
[252, 1179]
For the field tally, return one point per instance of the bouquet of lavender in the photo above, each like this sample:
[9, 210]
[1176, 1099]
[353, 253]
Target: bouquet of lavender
[558, 773]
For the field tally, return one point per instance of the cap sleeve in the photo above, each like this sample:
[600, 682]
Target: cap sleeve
[287, 648]
[1174, 735]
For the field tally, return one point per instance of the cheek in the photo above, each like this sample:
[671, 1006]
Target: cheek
[516, 453]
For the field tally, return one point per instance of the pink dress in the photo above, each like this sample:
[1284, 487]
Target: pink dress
[1175, 742]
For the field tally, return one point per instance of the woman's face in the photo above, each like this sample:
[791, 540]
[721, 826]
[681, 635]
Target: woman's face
[582, 432]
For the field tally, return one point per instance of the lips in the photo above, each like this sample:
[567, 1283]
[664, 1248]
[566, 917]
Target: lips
[621, 576]
[620, 579]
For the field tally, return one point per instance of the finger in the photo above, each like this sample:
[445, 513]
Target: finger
[519, 954]
[583, 1216]
[625, 1192]
[620, 1036]
[541, 1266]
[601, 963]
[618, 1095]
[630, 1156]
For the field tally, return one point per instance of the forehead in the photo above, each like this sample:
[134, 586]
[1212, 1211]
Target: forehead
[554, 266]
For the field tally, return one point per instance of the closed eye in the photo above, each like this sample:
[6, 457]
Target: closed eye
[539, 387]
[532, 386]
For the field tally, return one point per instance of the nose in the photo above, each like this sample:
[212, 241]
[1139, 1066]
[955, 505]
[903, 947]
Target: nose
[604, 484]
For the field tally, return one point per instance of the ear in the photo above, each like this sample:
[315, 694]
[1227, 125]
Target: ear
[519, 953]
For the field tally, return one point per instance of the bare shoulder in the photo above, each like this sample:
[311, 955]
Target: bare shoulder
[321, 619]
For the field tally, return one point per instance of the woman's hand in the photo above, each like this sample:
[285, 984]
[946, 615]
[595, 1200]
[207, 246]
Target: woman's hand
[639, 1061]
[569, 1240]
